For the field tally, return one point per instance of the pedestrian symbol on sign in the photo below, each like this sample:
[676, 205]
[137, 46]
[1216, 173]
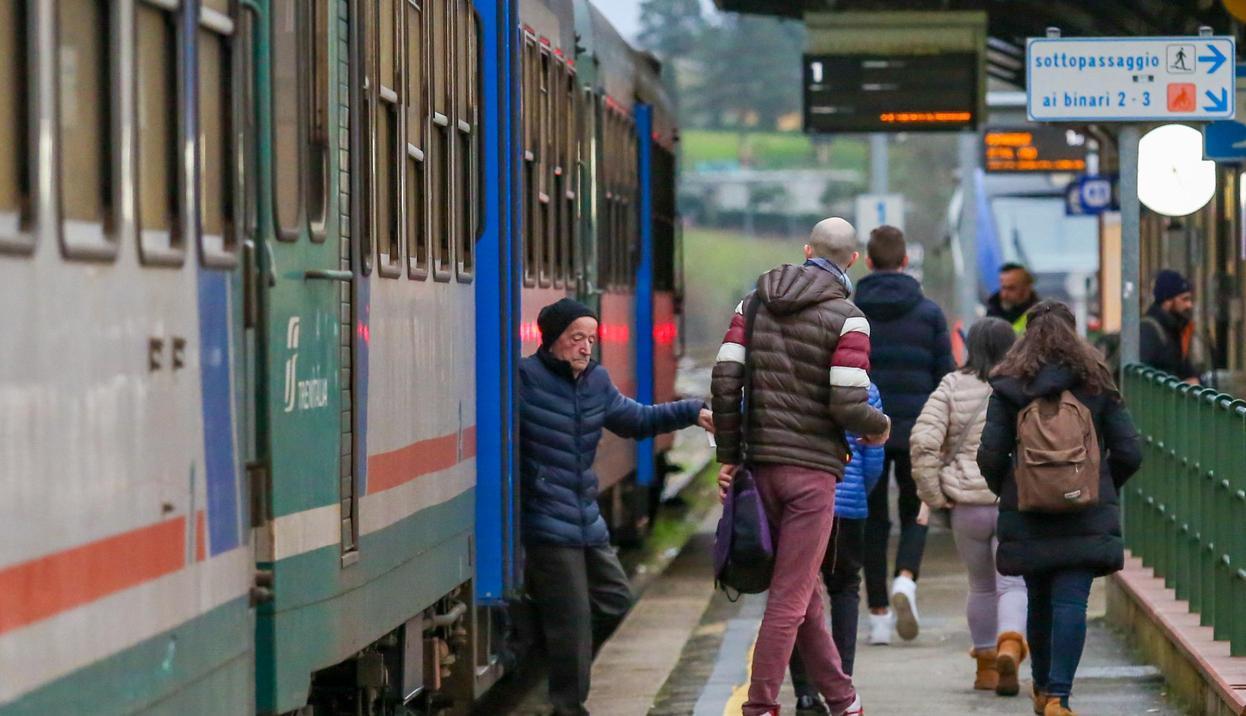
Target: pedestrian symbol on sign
[1181, 59]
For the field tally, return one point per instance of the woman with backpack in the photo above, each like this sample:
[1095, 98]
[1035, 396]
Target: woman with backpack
[944, 448]
[1057, 447]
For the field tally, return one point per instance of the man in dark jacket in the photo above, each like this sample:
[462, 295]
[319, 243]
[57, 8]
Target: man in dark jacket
[911, 352]
[807, 359]
[1015, 297]
[572, 574]
[1168, 327]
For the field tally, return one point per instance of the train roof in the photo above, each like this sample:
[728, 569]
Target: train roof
[608, 62]
[552, 21]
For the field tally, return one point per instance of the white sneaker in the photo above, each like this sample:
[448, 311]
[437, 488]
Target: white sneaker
[880, 628]
[904, 603]
[856, 709]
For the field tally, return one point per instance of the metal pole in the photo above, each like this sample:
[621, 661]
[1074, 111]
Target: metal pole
[967, 229]
[878, 163]
[1131, 219]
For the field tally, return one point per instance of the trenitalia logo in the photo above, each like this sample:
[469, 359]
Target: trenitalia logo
[292, 363]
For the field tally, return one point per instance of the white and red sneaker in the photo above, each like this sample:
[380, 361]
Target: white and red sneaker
[855, 708]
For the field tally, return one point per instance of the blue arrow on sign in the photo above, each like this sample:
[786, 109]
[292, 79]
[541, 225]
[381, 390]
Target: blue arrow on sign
[1218, 104]
[1216, 58]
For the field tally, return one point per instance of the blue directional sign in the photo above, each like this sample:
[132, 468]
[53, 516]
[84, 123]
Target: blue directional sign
[1109, 79]
[1224, 140]
[1091, 195]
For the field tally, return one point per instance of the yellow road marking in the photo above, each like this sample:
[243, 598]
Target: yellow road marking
[735, 704]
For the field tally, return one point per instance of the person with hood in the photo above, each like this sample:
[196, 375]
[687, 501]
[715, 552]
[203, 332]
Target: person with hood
[911, 352]
[1167, 332]
[1058, 552]
[944, 447]
[807, 350]
[1015, 297]
[841, 567]
[573, 576]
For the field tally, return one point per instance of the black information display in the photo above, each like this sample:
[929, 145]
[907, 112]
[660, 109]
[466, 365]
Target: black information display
[891, 93]
[1033, 148]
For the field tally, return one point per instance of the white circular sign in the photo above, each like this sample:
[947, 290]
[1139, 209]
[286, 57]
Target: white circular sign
[1173, 177]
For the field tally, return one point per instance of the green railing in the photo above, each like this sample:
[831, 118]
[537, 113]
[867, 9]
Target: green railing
[1185, 510]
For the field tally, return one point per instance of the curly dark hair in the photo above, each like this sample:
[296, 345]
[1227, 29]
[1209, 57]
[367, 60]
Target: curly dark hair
[1051, 338]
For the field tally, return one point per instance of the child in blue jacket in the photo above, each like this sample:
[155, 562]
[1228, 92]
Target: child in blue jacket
[841, 568]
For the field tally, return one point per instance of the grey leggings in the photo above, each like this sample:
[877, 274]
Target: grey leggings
[996, 604]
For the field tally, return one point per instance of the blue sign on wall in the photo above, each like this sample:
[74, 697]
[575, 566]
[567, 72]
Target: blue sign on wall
[1091, 195]
[1224, 141]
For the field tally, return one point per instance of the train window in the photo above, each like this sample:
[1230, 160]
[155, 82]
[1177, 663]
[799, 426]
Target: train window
[466, 116]
[529, 110]
[287, 159]
[388, 159]
[416, 103]
[316, 94]
[218, 230]
[440, 185]
[544, 166]
[85, 126]
[159, 171]
[601, 161]
[570, 174]
[15, 195]
[558, 161]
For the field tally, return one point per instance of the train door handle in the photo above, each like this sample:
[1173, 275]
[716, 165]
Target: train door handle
[179, 353]
[328, 275]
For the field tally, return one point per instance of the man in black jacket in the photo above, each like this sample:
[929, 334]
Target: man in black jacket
[1168, 327]
[910, 353]
[1015, 297]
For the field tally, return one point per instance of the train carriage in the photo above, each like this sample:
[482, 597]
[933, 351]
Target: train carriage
[125, 562]
[257, 416]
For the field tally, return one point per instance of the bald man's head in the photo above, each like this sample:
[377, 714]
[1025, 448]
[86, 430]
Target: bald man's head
[835, 240]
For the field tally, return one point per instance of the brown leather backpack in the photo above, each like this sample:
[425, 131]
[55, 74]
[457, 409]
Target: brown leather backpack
[1057, 466]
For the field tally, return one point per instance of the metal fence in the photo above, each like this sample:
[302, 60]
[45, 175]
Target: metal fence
[1185, 510]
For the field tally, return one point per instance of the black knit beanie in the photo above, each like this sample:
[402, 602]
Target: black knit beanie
[1169, 284]
[555, 318]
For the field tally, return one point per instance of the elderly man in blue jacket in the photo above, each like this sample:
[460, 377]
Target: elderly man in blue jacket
[572, 574]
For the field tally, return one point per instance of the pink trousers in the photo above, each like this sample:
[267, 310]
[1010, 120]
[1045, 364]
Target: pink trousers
[800, 504]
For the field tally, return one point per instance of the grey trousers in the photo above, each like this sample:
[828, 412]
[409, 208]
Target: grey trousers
[996, 604]
[581, 595]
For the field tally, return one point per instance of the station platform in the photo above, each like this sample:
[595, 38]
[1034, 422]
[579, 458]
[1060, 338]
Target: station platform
[684, 650]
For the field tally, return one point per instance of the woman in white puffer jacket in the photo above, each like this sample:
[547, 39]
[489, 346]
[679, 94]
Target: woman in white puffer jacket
[944, 449]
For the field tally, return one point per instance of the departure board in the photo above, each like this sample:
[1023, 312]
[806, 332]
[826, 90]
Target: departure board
[891, 93]
[1033, 148]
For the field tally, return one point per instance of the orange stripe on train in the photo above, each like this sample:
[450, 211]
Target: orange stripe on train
[398, 467]
[44, 587]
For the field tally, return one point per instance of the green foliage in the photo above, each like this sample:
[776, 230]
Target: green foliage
[721, 266]
[670, 28]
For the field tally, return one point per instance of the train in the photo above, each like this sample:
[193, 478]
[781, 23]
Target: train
[268, 267]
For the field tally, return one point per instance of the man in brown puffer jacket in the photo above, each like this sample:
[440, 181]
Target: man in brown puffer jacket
[809, 352]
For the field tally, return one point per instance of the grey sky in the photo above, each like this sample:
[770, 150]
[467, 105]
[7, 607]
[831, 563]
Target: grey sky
[625, 14]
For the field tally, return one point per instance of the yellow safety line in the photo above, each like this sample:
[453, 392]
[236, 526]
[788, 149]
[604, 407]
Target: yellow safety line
[735, 704]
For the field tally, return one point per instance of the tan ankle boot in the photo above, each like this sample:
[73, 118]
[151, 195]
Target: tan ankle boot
[1055, 709]
[1011, 652]
[1040, 701]
[987, 677]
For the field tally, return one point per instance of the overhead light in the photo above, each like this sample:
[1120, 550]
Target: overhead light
[1173, 177]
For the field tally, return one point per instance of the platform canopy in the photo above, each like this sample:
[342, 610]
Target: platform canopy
[1012, 21]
